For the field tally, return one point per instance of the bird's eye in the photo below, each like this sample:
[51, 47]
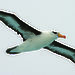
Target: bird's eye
[54, 32]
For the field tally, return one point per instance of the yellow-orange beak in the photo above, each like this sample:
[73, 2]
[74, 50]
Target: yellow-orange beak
[61, 36]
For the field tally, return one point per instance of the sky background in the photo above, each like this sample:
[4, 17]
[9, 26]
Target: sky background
[56, 15]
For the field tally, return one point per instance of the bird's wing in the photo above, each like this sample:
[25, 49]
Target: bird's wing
[63, 50]
[10, 50]
[17, 25]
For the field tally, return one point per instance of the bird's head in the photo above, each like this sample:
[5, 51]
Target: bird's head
[59, 35]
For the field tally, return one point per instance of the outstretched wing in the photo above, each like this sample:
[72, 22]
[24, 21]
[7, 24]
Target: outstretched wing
[17, 25]
[63, 50]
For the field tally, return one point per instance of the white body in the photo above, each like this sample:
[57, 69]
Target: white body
[36, 42]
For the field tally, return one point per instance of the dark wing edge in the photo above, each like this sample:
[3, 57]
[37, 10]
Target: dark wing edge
[62, 50]
[18, 25]
[8, 51]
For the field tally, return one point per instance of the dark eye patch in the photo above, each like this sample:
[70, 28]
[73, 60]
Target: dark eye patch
[54, 32]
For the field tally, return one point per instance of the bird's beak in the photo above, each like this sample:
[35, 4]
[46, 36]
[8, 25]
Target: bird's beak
[61, 36]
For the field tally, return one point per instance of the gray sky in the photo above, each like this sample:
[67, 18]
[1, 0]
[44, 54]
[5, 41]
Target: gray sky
[56, 15]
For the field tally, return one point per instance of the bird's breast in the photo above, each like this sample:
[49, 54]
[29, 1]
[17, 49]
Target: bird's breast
[40, 41]
[37, 42]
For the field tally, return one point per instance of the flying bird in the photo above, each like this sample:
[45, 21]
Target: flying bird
[34, 39]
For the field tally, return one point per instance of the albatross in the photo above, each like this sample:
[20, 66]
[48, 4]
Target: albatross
[34, 39]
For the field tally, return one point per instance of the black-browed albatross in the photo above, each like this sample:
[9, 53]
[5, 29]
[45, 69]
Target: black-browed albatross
[34, 39]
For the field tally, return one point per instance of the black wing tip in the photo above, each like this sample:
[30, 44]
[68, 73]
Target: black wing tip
[8, 51]
[3, 12]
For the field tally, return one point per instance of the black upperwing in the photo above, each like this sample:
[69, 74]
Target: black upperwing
[63, 50]
[17, 25]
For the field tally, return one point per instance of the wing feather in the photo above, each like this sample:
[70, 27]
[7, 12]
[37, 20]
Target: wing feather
[17, 25]
[63, 50]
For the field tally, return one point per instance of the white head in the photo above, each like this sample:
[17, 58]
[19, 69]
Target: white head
[58, 34]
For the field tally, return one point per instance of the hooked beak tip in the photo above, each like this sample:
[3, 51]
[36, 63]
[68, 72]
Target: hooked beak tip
[61, 36]
[64, 37]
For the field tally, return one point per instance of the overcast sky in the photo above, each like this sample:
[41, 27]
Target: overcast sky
[56, 15]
